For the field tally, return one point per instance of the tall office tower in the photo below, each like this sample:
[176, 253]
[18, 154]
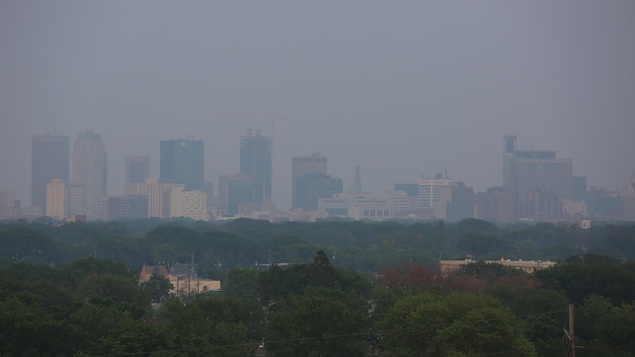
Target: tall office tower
[357, 181]
[182, 162]
[49, 160]
[89, 169]
[527, 170]
[300, 165]
[313, 186]
[137, 169]
[234, 193]
[579, 188]
[255, 161]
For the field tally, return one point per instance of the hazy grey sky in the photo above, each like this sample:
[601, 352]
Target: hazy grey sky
[400, 88]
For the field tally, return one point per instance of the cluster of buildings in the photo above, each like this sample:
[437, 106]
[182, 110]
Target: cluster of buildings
[537, 186]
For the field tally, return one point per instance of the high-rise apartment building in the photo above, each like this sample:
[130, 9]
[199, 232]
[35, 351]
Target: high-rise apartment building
[49, 160]
[255, 161]
[300, 165]
[182, 161]
[90, 170]
[527, 170]
[137, 169]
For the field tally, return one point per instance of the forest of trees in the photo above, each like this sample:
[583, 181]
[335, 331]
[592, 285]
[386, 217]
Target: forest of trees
[355, 289]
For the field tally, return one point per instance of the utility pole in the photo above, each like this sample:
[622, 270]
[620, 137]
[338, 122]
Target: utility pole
[569, 336]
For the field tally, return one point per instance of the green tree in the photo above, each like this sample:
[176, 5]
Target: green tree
[159, 287]
[456, 325]
[321, 272]
[242, 283]
[323, 323]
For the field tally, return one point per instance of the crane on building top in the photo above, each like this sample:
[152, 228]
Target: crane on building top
[271, 118]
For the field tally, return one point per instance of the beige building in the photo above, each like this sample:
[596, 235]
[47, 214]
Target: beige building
[182, 284]
[429, 190]
[528, 266]
[8, 207]
[188, 204]
[157, 194]
[55, 199]
[63, 200]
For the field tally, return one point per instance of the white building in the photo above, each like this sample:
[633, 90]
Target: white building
[368, 206]
[429, 190]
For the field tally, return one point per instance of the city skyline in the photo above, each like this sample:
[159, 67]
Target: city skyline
[398, 90]
[143, 161]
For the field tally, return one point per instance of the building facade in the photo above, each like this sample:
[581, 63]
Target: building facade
[8, 205]
[64, 200]
[300, 165]
[456, 202]
[498, 204]
[429, 190]
[312, 186]
[234, 193]
[155, 193]
[527, 170]
[49, 160]
[90, 170]
[188, 204]
[255, 161]
[376, 207]
[182, 162]
[137, 169]
[128, 207]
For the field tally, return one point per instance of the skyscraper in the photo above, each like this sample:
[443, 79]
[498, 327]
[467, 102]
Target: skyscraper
[49, 160]
[255, 161]
[357, 181]
[182, 162]
[234, 192]
[526, 171]
[313, 186]
[137, 169]
[90, 169]
[300, 165]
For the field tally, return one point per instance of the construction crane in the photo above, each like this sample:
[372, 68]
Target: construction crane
[271, 118]
[628, 182]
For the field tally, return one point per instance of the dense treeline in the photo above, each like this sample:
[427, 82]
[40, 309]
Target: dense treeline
[358, 289]
[355, 244]
[96, 307]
